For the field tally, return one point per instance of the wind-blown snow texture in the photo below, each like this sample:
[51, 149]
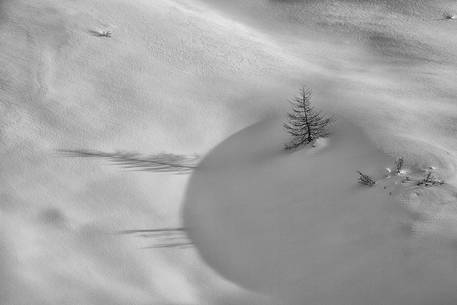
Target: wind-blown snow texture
[180, 76]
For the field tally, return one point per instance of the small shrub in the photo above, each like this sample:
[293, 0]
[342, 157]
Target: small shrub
[406, 179]
[105, 34]
[449, 16]
[366, 180]
[398, 165]
[430, 180]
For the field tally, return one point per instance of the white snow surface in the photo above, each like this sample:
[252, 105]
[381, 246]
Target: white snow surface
[181, 76]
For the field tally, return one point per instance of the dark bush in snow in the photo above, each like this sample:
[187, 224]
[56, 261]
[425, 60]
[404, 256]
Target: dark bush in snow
[366, 180]
[430, 180]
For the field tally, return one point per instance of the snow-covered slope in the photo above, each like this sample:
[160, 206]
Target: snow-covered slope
[163, 82]
[180, 76]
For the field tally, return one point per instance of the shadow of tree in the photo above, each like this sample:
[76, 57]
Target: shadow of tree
[160, 163]
[163, 238]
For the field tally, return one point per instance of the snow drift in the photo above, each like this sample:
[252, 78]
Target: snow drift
[298, 225]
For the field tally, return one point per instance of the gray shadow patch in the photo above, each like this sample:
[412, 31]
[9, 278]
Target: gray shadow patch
[52, 216]
[400, 49]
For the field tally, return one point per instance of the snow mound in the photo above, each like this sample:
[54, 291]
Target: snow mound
[298, 226]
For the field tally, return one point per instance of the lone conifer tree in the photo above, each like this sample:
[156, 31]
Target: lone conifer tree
[305, 124]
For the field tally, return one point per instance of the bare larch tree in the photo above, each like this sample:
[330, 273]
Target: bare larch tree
[305, 124]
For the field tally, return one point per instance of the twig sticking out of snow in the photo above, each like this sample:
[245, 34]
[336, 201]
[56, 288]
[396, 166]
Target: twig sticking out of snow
[396, 169]
[106, 34]
[366, 180]
[430, 180]
[448, 16]
[398, 165]
[406, 179]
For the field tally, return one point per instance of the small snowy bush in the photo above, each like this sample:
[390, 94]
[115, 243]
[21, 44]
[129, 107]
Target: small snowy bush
[398, 165]
[449, 16]
[366, 180]
[430, 180]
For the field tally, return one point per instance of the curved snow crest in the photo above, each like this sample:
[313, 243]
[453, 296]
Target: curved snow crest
[299, 227]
